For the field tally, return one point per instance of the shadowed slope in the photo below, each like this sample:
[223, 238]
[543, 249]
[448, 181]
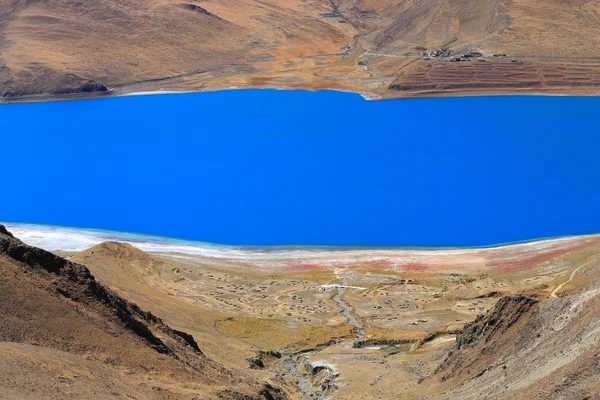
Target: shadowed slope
[529, 348]
[50, 306]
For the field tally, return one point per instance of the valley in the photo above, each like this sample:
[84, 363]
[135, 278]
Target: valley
[362, 323]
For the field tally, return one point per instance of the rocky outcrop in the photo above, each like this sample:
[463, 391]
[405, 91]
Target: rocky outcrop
[75, 282]
[201, 10]
[54, 85]
[72, 84]
[255, 363]
[268, 392]
[5, 78]
[322, 377]
[264, 359]
[483, 332]
[4, 231]
[506, 312]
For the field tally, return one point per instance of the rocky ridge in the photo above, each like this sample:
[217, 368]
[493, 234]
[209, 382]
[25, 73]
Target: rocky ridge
[58, 304]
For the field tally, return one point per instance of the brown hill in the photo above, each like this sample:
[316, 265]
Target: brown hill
[528, 349]
[382, 48]
[64, 335]
[121, 258]
[154, 284]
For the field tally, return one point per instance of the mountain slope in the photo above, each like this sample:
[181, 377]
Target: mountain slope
[529, 348]
[152, 282]
[382, 48]
[60, 330]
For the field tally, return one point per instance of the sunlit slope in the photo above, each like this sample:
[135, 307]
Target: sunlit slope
[383, 48]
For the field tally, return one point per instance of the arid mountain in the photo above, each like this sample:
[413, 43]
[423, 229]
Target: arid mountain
[381, 48]
[63, 335]
[511, 322]
[528, 349]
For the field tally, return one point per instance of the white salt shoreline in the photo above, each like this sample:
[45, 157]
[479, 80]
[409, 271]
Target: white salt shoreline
[217, 89]
[77, 239]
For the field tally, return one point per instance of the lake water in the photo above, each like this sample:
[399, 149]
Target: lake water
[294, 167]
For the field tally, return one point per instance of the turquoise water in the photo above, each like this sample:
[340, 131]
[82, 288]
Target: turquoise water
[295, 167]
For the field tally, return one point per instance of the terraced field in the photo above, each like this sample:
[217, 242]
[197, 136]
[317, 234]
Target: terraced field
[497, 75]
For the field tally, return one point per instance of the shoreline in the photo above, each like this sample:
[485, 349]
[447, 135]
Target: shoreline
[116, 93]
[91, 236]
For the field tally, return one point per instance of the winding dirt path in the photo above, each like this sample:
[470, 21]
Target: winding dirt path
[571, 277]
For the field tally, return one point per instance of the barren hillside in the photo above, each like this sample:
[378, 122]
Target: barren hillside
[518, 321]
[65, 336]
[527, 348]
[381, 48]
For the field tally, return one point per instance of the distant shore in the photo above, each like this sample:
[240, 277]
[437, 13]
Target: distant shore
[118, 92]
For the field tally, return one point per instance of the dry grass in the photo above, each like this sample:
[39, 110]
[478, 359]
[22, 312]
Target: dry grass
[269, 334]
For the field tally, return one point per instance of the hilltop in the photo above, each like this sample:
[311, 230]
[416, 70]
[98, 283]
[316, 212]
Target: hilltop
[382, 49]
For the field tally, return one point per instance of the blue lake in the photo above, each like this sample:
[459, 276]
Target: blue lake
[295, 167]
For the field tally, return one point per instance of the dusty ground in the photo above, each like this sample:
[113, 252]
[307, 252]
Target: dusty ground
[380, 48]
